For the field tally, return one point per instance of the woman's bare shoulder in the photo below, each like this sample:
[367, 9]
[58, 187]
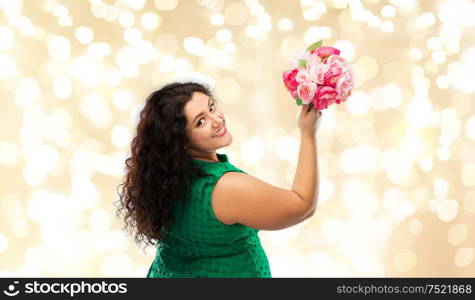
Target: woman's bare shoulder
[220, 198]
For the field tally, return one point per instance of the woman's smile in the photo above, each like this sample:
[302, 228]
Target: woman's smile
[221, 132]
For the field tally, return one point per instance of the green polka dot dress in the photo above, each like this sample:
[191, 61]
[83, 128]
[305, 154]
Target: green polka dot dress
[199, 245]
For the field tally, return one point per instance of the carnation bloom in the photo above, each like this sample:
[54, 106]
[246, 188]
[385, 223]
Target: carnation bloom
[289, 79]
[302, 76]
[336, 67]
[306, 91]
[344, 86]
[294, 94]
[324, 97]
[326, 51]
[316, 69]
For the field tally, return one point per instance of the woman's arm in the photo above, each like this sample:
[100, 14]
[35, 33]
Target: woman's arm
[242, 198]
[306, 181]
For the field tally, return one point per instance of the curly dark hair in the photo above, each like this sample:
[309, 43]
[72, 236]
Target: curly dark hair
[158, 171]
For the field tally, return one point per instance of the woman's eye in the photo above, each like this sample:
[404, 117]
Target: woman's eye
[198, 124]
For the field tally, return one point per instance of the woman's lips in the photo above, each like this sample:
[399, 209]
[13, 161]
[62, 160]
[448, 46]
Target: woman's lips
[221, 132]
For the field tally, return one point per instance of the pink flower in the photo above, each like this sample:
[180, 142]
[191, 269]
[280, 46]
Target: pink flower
[289, 80]
[316, 69]
[325, 51]
[302, 76]
[294, 94]
[336, 67]
[324, 97]
[306, 91]
[344, 86]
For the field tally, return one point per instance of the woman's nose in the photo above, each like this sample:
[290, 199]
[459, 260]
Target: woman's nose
[217, 122]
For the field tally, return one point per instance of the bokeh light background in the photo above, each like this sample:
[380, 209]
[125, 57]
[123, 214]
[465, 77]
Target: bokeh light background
[397, 160]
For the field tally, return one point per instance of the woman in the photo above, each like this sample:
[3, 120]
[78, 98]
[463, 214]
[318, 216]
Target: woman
[202, 212]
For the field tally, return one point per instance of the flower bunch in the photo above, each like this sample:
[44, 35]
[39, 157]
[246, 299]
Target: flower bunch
[319, 75]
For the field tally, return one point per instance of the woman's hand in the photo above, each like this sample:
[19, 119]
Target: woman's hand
[309, 119]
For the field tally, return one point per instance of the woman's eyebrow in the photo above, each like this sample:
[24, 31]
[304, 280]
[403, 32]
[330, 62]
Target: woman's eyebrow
[201, 113]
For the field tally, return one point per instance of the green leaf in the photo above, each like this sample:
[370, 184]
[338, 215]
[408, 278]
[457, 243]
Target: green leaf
[303, 63]
[299, 102]
[315, 46]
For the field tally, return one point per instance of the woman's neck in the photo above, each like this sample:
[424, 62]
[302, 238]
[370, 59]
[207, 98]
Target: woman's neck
[211, 157]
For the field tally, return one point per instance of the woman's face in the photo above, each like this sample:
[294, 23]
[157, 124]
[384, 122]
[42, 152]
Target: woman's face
[206, 127]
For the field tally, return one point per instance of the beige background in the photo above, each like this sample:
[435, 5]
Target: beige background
[397, 160]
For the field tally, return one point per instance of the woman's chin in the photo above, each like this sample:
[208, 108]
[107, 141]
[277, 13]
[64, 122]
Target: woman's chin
[230, 139]
[225, 140]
